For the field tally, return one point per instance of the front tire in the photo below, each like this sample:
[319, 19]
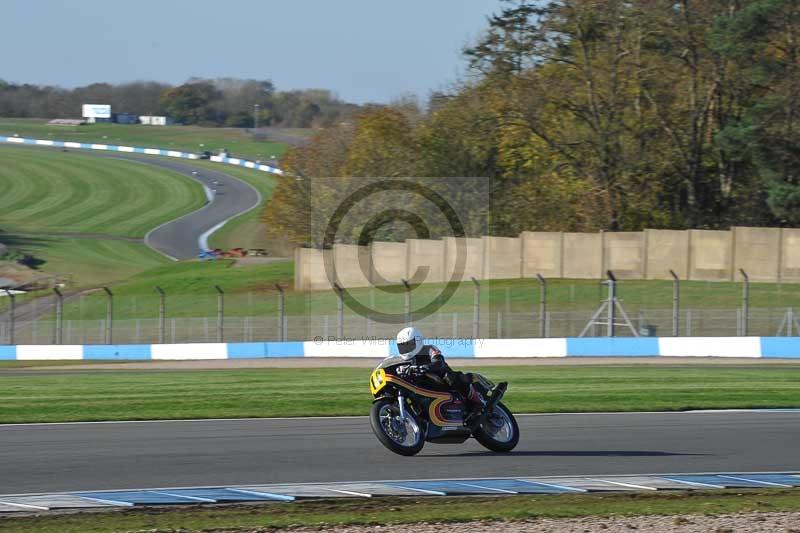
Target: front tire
[500, 432]
[403, 437]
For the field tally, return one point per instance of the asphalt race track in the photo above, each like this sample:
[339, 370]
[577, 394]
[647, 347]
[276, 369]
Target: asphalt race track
[179, 238]
[67, 457]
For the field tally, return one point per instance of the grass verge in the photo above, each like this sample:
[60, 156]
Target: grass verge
[12, 365]
[82, 395]
[89, 262]
[409, 511]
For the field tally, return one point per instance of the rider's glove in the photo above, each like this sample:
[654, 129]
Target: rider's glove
[405, 371]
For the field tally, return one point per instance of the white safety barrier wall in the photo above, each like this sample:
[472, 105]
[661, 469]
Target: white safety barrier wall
[751, 347]
[139, 150]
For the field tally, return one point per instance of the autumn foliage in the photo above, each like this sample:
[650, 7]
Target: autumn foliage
[598, 114]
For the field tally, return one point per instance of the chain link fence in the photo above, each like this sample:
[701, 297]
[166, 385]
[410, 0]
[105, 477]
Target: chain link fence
[475, 310]
[498, 324]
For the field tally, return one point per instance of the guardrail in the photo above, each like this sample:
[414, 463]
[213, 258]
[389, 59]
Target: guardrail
[139, 150]
[245, 163]
[746, 347]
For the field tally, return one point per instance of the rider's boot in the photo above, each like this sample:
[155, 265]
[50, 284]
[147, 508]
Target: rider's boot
[475, 402]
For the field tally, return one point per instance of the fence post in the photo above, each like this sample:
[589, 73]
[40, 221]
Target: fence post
[339, 309]
[745, 302]
[542, 305]
[281, 314]
[476, 309]
[612, 300]
[109, 315]
[676, 303]
[220, 314]
[162, 313]
[12, 311]
[407, 304]
[59, 315]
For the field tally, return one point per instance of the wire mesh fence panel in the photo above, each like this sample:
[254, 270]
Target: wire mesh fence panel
[487, 309]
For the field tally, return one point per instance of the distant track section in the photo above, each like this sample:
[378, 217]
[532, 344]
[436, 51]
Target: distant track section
[184, 237]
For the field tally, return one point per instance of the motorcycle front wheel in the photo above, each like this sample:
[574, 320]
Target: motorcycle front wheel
[402, 436]
[499, 432]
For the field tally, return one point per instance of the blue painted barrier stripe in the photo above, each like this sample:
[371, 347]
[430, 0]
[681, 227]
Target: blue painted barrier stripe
[123, 352]
[8, 353]
[246, 350]
[285, 349]
[614, 346]
[780, 347]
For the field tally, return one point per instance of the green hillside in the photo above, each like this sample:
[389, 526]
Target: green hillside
[56, 192]
[82, 218]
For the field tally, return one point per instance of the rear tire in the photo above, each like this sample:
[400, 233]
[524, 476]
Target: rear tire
[488, 436]
[378, 418]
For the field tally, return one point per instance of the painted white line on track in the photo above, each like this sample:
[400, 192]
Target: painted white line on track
[25, 506]
[487, 488]
[100, 500]
[621, 484]
[694, 483]
[195, 498]
[424, 491]
[768, 483]
[537, 482]
[350, 493]
[283, 497]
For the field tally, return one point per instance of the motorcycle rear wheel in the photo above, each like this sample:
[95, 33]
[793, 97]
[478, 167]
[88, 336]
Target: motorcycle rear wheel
[383, 414]
[500, 432]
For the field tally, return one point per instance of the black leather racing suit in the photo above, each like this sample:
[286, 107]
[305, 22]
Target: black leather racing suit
[430, 360]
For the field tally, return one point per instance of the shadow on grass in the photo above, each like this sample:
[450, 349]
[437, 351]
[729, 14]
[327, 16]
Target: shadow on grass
[571, 453]
[14, 241]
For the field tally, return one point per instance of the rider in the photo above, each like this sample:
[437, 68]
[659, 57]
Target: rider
[424, 358]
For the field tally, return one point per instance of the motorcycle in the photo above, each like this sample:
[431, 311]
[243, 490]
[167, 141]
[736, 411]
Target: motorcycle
[406, 415]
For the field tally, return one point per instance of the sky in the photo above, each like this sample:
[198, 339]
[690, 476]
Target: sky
[362, 50]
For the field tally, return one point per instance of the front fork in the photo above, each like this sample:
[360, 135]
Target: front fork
[401, 402]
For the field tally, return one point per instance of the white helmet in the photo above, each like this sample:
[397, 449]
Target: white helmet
[409, 342]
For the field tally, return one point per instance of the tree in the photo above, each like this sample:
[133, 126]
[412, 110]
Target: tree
[763, 40]
[190, 103]
[565, 80]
